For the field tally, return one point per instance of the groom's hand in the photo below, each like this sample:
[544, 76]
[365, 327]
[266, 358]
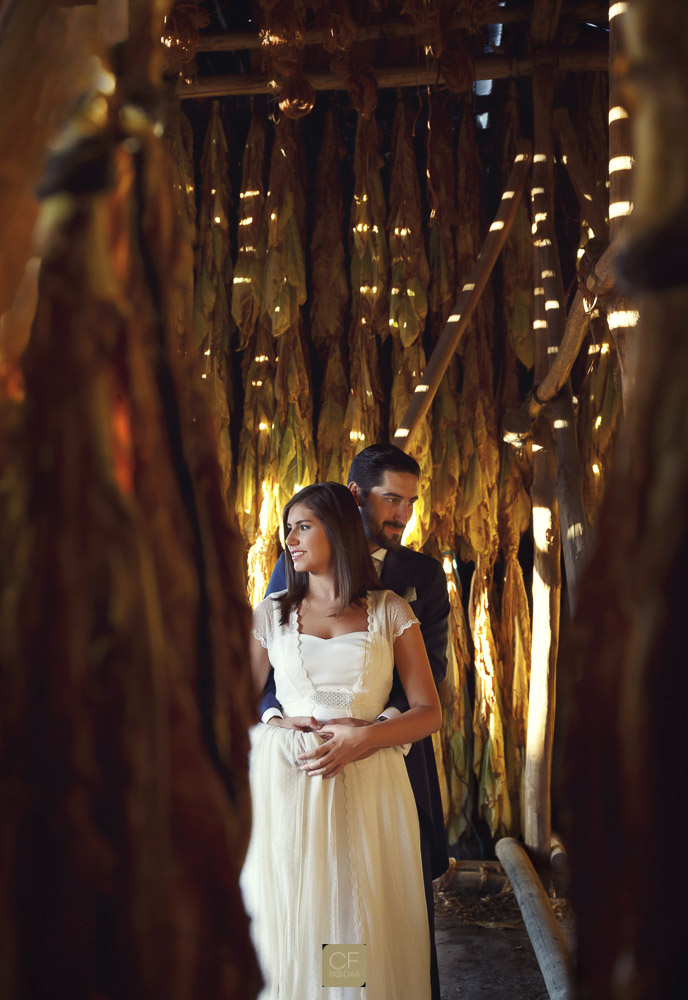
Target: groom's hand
[304, 723]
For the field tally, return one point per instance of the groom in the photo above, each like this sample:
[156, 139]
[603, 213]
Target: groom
[384, 483]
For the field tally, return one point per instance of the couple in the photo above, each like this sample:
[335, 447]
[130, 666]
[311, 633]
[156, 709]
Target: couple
[335, 855]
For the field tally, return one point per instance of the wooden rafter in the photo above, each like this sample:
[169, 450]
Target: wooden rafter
[518, 13]
[487, 68]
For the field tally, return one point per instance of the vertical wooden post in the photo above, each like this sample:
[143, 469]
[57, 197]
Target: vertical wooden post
[546, 571]
[620, 317]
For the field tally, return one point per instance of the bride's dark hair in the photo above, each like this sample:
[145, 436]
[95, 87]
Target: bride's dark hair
[354, 572]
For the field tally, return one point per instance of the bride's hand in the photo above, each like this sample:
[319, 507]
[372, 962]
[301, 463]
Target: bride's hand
[305, 723]
[343, 743]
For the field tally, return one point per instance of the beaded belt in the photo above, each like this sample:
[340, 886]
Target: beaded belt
[339, 698]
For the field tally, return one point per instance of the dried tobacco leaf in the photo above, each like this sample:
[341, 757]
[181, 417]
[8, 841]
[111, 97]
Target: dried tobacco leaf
[408, 307]
[213, 322]
[247, 283]
[330, 298]
[369, 283]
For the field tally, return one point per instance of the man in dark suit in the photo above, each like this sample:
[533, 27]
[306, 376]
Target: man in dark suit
[384, 482]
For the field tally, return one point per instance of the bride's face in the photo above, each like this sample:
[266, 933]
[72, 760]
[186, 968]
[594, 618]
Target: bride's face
[307, 541]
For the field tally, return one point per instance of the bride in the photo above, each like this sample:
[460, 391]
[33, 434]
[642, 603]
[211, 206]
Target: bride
[334, 857]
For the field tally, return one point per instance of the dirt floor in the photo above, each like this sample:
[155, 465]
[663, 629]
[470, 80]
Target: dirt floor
[483, 949]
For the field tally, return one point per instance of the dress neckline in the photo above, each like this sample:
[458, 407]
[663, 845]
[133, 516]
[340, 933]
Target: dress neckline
[328, 638]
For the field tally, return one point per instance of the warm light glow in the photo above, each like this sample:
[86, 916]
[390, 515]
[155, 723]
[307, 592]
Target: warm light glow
[507, 195]
[620, 163]
[540, 324]
[551, 304]
[553, 349]
[617, 114]
[540, 158]
[520, 158]
[496, 225]
[469, 286]
[619, 7]
[542, 243]
[596, 468]
[401, 432]
[218, 219]
[546, 274]
[575, 530]
[560, 425]
[538, 291]
[542, 528]
[261, 357]
[454, 318]
[536, 191]
[262, 426]
[421, 388]
[247, 221]
[621, 318]
[598, 423]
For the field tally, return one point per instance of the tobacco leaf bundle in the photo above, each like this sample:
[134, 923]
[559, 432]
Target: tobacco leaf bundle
[408, 308]
[514, 627]
[517, 255]
[213, 322]
[292, 449]
[255, 506]
[369, 284]
[456, 731]
[441, 298]
[247, 282]
[477, 511]
[330, 298]
[489, 751]
[123, 639]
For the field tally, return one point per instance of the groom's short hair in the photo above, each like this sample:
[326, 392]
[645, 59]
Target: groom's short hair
[369, 466]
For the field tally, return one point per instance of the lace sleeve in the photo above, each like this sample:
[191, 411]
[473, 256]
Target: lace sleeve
[262, 623]
[399, 615]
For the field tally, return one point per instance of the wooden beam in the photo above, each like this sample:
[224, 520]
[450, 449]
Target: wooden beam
[574, 333]
[516, 13]
[450, 337]
[620, 182]
[544, 20]
[588, 198]
[486, 68]
[545, 935]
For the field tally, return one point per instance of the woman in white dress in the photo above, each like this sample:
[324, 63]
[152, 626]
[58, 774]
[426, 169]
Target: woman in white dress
[334, 857]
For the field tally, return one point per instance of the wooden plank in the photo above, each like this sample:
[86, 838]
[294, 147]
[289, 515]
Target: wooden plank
[516, 13]
[469, 297]
[486, 68]
[544, 20]
[544, 932]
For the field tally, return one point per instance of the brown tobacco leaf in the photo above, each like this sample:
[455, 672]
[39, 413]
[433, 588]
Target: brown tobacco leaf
[124, 635]
[283, 233]
[330, 298]
[369, 283]
[213, 322]
[248, 272]
[408, 302]
[408, 307]
[517, 267]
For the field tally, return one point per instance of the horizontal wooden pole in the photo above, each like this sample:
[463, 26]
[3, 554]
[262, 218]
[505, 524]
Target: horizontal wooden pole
[515, 14]
[486, 68]
[544, 932]
[449, 339]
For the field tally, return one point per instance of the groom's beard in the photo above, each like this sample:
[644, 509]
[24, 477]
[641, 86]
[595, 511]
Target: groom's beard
[376, 531]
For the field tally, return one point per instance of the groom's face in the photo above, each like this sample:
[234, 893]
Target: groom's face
[387, 508]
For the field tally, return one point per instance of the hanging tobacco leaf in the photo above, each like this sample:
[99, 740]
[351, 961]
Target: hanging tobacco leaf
[213, 322]
[330, 298]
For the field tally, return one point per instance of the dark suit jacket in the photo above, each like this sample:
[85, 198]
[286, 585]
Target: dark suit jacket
[421, 581]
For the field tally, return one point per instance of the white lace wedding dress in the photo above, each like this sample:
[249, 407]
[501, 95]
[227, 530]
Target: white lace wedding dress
[334, 861]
